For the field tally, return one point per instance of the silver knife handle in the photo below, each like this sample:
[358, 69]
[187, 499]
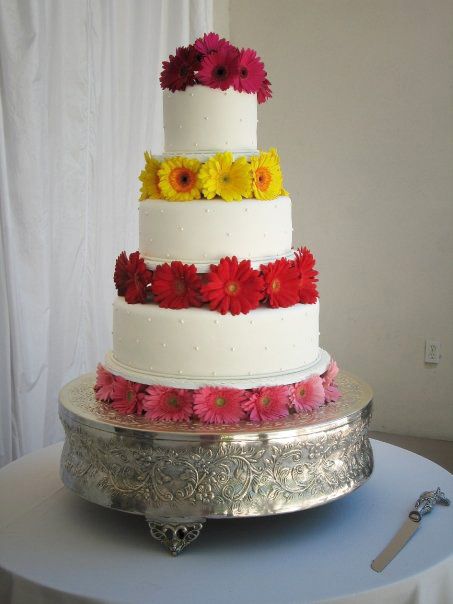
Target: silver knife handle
[426, 502]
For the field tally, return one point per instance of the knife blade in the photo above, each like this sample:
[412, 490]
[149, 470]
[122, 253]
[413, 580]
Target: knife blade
[423, 505]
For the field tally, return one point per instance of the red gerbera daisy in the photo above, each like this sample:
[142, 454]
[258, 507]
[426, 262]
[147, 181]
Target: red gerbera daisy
[233, 286]
[267, 403]
[251, 72]
[304, 263]
[281, 283]
[177, 285]
[219, 69]
[168, 404]
[219, 405]
[127, 396]
[132, 278]
[264, 92]
[179, 71]
[210, 43]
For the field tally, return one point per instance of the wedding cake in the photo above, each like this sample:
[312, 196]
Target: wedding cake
[217, 315]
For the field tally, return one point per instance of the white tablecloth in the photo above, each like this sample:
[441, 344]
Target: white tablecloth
[58, 548]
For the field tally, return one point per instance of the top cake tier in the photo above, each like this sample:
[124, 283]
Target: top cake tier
[202, 121]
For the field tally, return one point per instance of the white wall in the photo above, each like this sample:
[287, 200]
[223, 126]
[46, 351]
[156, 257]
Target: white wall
[362, 115]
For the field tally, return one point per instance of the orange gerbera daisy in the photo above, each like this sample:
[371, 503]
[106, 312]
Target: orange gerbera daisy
[178, 179]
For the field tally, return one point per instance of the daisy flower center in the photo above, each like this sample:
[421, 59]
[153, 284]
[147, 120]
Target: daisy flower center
[263, 178]
[182, 180]
[180, 287]
[183, 71]
[220, 401]
[220, 72]
[244, 72]
[232, 288]
[266, 401]
[172, 401]
[275, 286]
[302, 392]
[129, 395]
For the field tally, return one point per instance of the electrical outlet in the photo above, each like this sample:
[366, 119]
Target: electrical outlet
[432, 351]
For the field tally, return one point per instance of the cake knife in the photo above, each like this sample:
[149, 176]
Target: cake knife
[423, 505]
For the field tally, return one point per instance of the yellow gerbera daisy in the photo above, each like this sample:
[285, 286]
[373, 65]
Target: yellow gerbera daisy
[150, 179]
[230, 180]
[267, 175]
[179, 179]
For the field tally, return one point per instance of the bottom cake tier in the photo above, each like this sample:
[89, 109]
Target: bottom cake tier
[178, 475]
[194, 346]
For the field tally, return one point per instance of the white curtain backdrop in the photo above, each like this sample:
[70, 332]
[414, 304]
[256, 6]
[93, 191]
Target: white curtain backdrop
[79, 103]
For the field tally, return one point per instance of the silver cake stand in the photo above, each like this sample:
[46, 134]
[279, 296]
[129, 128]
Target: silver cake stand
[178, 475]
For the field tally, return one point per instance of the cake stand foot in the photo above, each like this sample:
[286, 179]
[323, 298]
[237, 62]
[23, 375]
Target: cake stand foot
[175, 533]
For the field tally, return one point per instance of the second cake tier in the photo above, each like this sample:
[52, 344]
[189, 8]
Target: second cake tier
[193, 347]
[202, 232]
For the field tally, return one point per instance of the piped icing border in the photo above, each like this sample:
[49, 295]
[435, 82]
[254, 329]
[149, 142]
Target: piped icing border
[216, 404]
[179, 178]
[231, 286]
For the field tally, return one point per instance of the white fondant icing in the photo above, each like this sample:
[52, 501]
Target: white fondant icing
[210, 230]
[168, 345]
[232, 117]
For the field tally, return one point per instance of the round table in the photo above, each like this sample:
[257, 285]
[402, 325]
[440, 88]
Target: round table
[56, 547]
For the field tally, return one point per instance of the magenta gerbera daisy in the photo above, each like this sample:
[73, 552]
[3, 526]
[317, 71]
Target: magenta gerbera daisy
[168, 404]
[250, 72]
[264, 91]
[219, 405]
[233, 286]
[127, 396]
[210, 43]
[179, 71]
[219, 69]
[105, 384]
[308, 394]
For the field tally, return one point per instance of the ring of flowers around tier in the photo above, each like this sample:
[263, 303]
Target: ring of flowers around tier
[221, 176]
[214, 62]
[231, 286]
[216, 405]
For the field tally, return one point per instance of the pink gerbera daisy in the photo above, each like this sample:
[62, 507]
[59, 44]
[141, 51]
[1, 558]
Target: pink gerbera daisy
[105, 384]
[267, 403]
[210, 43]
[168, 404]
[250, 72]
[127, 396]
[219, 69]
[307, 395]
[331, 391]
[219, 405]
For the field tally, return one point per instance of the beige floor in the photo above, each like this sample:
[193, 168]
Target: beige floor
[439, 451]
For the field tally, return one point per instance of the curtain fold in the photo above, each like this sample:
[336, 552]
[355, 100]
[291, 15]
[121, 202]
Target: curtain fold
[79, 103]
